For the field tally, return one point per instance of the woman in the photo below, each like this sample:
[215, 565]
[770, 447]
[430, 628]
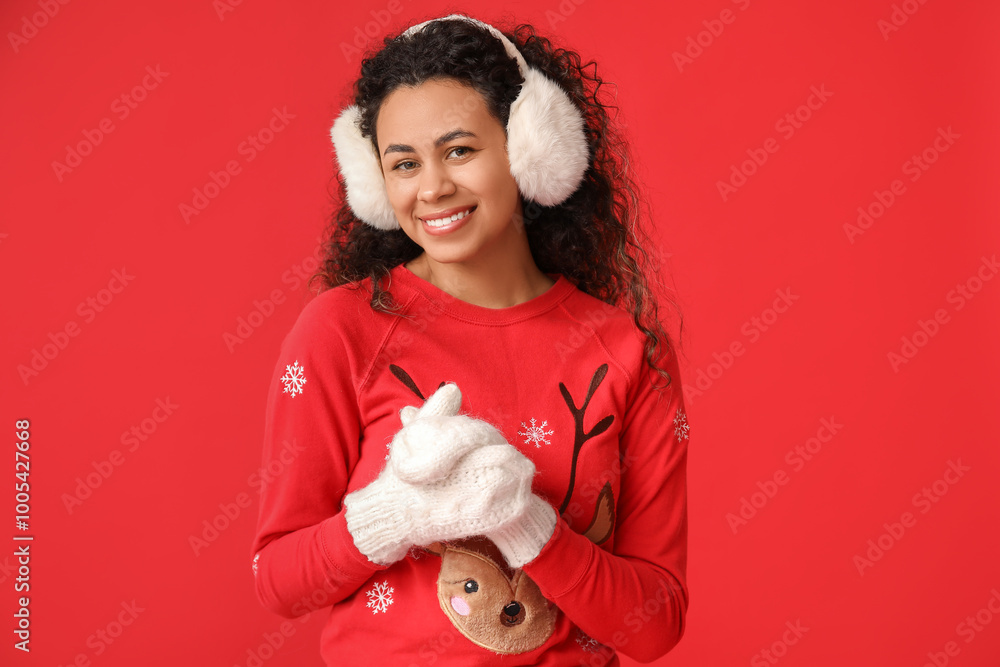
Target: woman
[472, 458]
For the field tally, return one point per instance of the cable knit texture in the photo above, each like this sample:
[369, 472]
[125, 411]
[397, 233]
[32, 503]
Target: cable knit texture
[521, 540]
[449, 476]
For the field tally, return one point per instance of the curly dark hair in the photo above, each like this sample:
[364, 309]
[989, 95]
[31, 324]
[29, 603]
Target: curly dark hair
[593, 238]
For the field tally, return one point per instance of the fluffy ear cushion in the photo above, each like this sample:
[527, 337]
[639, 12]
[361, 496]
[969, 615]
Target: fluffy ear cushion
[546, 146]
[545, 141]
[362, 173]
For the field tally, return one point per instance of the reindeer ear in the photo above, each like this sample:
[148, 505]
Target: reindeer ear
[436, 548]
[603, 522]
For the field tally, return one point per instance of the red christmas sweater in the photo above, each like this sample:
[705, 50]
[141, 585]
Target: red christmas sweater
[563, 377]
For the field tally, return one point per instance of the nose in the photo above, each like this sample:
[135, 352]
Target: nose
[435, 182]
[512, 614]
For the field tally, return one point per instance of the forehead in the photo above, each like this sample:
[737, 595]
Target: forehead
[424, 112]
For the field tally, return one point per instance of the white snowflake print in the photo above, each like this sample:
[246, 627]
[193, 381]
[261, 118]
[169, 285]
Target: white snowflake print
[293, 379]
[586, 642]
[379, 597]
[681, 427]
[254, 566]
[535, 434]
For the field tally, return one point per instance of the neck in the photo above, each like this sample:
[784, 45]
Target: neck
[500, 274]
[503, 280]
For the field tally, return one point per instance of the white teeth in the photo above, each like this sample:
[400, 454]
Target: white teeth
[441, 222]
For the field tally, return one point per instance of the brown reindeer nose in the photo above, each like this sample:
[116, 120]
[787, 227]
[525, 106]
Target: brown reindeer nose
[512, 614]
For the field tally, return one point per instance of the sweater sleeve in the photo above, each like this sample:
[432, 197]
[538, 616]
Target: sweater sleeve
[303, 556]
[634, 598]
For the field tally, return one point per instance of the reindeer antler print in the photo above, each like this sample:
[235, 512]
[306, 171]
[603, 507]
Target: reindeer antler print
[405, 378]
[495, 607]
[579, 436]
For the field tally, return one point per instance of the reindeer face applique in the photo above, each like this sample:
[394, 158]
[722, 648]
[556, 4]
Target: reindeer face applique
[494, 606]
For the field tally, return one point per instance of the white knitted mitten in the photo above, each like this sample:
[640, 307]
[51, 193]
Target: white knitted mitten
[521, 540]
[449, 476]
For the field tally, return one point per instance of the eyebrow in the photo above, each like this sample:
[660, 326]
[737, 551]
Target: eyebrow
[444, 138]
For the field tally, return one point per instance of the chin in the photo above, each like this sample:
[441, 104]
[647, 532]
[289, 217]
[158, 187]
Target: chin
[445, 257]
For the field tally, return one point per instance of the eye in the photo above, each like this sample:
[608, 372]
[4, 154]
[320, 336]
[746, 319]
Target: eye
[466, 149]
[404, 162]
[471, 586]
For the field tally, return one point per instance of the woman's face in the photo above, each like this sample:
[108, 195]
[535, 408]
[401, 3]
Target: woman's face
[442, 154]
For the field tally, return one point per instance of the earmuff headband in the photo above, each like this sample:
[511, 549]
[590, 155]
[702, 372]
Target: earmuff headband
[546, 144]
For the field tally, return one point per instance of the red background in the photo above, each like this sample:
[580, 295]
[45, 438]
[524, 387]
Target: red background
[827, 357]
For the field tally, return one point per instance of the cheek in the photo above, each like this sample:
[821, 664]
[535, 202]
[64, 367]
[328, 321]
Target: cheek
[496, 180]
[393, 187]
[460, 606]
[401, 193]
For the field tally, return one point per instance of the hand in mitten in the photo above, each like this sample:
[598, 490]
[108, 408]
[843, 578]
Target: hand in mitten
[448, 476]
[521, 540]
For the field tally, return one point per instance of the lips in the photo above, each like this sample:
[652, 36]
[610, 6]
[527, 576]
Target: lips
[440, 217]
[445, 222]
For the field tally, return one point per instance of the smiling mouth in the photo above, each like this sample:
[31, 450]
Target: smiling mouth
[441, 222]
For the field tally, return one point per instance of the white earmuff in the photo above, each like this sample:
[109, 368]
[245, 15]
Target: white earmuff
[546, 144]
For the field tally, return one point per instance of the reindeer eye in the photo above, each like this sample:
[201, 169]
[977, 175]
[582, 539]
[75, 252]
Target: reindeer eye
[471, 586]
